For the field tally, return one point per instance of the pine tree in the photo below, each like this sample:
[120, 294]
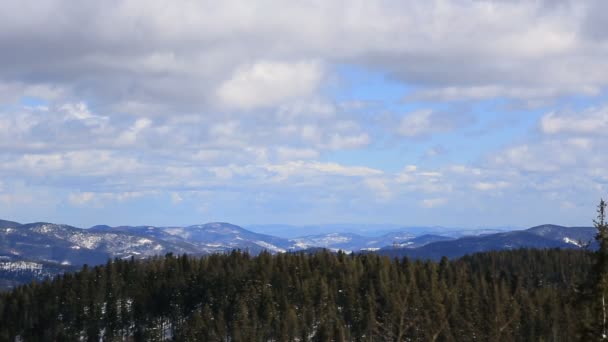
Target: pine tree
[600, 272]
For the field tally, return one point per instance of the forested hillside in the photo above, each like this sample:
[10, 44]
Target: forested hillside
[521, 295]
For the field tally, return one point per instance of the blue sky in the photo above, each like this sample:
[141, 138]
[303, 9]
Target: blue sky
[453, 113]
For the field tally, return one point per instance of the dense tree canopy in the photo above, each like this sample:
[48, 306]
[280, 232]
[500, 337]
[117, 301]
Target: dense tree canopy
[522, 295]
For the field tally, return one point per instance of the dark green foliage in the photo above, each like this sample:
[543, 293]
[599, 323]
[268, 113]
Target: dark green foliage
[595, 292]
[522, 295]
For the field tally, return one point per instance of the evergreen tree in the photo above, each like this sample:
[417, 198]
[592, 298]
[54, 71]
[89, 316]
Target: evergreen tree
[600, 277]
[510, 295]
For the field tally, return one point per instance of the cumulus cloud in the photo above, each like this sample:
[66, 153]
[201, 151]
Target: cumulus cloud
[108, 101]
[190, 53]
[268, 83]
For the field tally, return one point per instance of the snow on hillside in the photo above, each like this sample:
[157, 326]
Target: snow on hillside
[20, 266]
[270, 247]
[326, 240]
[573, 242]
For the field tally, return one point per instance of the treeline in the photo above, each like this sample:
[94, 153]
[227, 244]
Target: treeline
[522, 295]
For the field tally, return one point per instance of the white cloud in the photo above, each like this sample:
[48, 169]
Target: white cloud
[301, 168]
[589, 121]
[267, 83]
[129, 136]
[236, 98]
[489, 186]
[79, 111]
[260, 54]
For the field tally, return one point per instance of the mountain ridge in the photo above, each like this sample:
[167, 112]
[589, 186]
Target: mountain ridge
[542, 236]
[64, 245]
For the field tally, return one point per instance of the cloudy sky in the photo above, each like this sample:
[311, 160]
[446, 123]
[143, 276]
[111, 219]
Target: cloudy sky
[454, 113]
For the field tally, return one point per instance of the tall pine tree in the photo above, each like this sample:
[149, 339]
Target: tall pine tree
[600, 279]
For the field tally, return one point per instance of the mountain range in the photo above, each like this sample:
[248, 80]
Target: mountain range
[542, 237]
[36, 250]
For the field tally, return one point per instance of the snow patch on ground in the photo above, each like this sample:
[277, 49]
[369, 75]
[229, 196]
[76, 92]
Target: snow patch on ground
[88, 241]
[269, 246]
[20, 266]
[177, 231]
[144, 241]
[572, 242]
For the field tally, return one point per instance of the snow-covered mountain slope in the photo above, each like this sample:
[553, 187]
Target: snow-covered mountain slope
[219, 236]
[578, 236]
[355, 242]
[15, 272]
[334, 241]
[8, 224]
[62, 244]
[146, 231]
[546, 236]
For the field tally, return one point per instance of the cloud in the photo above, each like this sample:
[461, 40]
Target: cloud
[106, 101]
[490, 186]
[248, 55]
[81, 198]
[589, 121]
[96, 199]
[552, 155]
[483, 92]
[426, 122]
[309, 169]
[268, 83]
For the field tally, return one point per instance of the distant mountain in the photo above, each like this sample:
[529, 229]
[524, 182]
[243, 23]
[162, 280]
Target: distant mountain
[355, 242]
[13, 273]
[370, 230]
[67, 245]
[545, 236]
[332, 241]
[421, 240]
[57, 246]
[297, 231]
[63, 244]
[220, 236]
[43, 248]
[579, 236]
[8, 224]
[147, 231]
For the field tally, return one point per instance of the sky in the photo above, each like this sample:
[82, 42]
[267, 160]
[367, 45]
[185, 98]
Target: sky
[454, 113]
